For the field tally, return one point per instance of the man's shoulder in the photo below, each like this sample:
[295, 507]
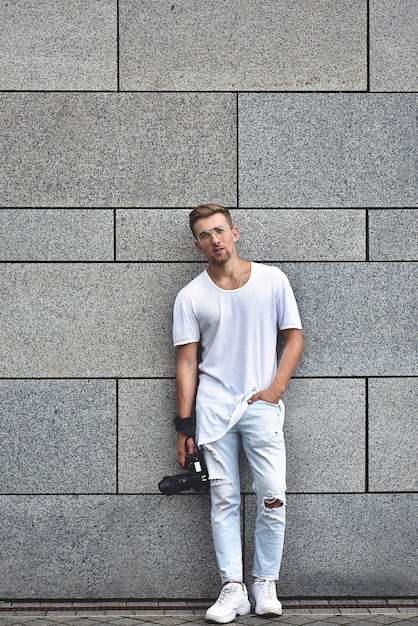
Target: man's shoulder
[268, 271]
[193, 286]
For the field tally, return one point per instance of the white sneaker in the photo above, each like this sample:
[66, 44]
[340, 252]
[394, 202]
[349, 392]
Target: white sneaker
[232, 601]
[265, 599]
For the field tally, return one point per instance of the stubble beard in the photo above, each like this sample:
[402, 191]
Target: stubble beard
[219, 261]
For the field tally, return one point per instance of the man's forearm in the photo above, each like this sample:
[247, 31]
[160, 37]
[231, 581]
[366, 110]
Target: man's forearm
[186, 379]
[185, 393]
[289, 359]
[186, 384]
[288, 362]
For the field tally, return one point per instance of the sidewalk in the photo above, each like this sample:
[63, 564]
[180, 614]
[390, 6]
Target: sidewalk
[359, 612]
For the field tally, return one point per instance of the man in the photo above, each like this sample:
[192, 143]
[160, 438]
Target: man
[234, 310]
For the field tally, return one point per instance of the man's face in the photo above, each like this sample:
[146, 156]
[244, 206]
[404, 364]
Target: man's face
[218, 247]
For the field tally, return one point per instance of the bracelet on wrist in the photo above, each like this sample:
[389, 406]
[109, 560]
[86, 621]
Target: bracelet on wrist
[184, 425]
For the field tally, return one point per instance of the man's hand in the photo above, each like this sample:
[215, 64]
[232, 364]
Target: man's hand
[267, 395]
[184, 449]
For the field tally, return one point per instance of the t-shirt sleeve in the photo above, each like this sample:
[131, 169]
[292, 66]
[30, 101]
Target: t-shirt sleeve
[287, 308]
[185, 326]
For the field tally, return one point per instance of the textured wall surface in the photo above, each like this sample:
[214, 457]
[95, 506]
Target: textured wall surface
[118, 116]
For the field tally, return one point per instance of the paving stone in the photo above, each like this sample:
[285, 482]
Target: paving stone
[403, 601]
[386, 610]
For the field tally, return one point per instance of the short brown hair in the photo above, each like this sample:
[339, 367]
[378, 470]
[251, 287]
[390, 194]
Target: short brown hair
[206, 210]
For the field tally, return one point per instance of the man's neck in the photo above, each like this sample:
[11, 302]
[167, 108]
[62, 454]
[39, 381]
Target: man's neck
[229, 275]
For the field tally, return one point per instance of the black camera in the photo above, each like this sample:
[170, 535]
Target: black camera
[196, 478]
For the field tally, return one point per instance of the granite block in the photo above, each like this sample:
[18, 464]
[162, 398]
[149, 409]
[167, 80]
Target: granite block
[155, 235]
[393, 45]
[301, 234]
[107, 547]
[325, 435]
[58, 436]
[147, 439]
[350, 315]
[393, 433]
[62, 320]
[103, 149]
[346, 545]
[265, 235]
[66, 45]
[82, 320]
[393, 234]
[56, 235]
[114, 320]
[327, 150]
[243, 46]
[324, 431]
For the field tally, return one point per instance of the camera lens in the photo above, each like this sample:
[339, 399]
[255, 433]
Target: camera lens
[171, 485]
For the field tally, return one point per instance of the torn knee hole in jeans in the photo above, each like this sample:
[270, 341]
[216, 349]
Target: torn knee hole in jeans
[218, 482]
[209, 449]
[272, 502]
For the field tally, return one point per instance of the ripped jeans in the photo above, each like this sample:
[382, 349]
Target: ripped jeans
[260, 431]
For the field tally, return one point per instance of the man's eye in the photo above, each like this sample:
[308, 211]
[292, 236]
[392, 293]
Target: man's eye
[219, 229]
[204, 235]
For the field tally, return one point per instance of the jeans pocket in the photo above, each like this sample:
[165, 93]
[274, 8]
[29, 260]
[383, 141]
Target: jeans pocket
[276, 405]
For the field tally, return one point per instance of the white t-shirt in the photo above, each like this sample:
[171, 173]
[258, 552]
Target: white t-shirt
[237, 330]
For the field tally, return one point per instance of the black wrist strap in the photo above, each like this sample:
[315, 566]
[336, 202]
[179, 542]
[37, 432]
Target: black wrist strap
[184, 425]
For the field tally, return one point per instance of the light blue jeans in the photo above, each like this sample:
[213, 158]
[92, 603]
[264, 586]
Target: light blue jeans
[260, 432]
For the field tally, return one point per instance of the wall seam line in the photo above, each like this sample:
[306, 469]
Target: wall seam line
[117, 48]
[114, 236]
[237, 149]
[367, 242]
[117, 435]
[366, 447]
[368, 45]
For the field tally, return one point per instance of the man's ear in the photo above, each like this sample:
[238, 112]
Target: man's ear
[198, 246]
[235, 233]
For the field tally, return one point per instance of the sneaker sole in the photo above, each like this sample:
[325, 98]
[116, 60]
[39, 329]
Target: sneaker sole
[225, 619]
[269, 613]
[265, 612]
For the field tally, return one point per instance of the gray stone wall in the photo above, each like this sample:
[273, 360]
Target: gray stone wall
[118, 116]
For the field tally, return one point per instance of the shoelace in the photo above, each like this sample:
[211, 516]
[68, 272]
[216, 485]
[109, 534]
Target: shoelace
[226, 594]
[267, 589]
